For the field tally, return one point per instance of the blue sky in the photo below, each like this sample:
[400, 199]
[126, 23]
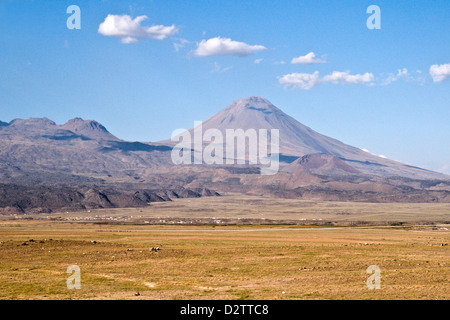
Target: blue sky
[369, 88]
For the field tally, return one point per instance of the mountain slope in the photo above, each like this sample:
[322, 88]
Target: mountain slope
[321, 164]
[88, 128]
[297, 140]
[40, 151]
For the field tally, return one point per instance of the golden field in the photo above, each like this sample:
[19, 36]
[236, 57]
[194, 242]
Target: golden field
[214, 261]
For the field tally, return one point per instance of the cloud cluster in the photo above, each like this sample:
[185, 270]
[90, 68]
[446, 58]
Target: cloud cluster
[310, 58]
[225, 46]
[440, 72]
[347, 78]
[401, 74]
[306, 81]
[130, 30]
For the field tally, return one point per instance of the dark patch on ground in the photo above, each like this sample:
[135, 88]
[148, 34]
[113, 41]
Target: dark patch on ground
[134, 146]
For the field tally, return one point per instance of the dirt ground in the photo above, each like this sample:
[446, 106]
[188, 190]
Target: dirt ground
[245, 209]
[221, 262]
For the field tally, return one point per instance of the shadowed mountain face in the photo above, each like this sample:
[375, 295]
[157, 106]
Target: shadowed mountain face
[16, 199]
[82, 155]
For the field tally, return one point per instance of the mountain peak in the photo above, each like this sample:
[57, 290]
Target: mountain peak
[297, 140]
[253, 99]
[80, 124]
[37, 123]
[254, 104]
[248, 113]
[321, 164]
[88, 128]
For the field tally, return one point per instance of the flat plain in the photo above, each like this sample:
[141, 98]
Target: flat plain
[317, 259]
[246, 209]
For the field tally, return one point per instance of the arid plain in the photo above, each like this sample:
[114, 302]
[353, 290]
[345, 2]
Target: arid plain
[230, 247]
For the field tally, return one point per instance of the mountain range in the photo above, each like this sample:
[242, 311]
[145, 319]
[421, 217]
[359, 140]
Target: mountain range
[84, 154]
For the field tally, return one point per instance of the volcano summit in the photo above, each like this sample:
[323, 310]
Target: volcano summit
[297, 140]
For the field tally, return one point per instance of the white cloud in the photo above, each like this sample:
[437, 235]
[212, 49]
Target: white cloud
[391, 78]
[180, 43]
[440, 72]
[310, 58]
[347, 78]
[128, 40]
[307, 81]
[401, 74]
[226, 46]
[258, 61]
[304, 81]
[219, 69]
[130, 30]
